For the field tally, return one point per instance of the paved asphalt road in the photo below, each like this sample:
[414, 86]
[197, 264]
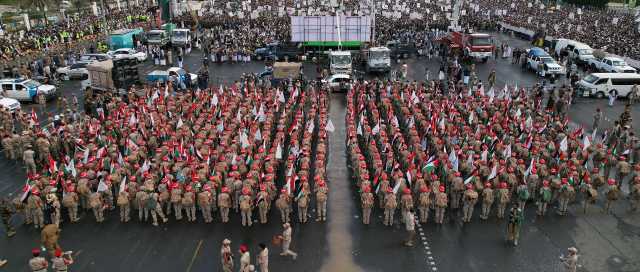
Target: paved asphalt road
[607, 242]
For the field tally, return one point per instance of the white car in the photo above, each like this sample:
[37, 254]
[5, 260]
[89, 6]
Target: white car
[26, 89]
[78, 70]
[9, 103]
[338, 82]
[611, 65]
[126, 53]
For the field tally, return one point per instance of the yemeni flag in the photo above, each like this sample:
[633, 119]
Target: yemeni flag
[26, 190]
[53, 165]
[34, 116]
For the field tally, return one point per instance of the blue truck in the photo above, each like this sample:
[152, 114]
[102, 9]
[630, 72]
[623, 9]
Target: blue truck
[125, 38]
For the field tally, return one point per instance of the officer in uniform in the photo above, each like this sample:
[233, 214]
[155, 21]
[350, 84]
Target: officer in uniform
[154, 207]
[634, 194]
[567, 193]
[176, 200]
[28, 156]
[406, 202]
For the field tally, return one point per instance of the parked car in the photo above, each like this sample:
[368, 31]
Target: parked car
[9, 103]
[75, 71]
[610, 65]
[89, 58]
[127, 53]
[26, 89]
[338, 82]
[164, 76]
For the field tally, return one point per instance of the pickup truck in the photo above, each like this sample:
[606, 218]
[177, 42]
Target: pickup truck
[278, 51]
[610, 65]
[537, 56]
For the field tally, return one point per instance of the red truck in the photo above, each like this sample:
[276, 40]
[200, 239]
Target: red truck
[475, 45]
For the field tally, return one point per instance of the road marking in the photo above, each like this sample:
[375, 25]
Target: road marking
[77, 253]
[195, 254]
[431, 262]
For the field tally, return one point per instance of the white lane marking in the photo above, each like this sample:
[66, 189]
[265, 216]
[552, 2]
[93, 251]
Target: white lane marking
[431, 262]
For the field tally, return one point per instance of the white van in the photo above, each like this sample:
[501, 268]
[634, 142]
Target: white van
[578, 51]
[600, 84]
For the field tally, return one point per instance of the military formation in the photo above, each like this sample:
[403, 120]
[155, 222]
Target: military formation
[411, 146]
[205, 154]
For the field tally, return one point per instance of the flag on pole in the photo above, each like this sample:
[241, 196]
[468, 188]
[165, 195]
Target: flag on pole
[330, 127]
[494, 172]
[180, 123]
[53, 165]
[564, 145]
[34, 116]
[123, 184]
[586, 143]
[102, 186]
[279, 152]
[453, 158]
[469, 179]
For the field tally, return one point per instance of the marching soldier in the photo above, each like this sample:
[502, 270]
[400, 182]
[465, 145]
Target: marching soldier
[34, 203]
[613, 193]
[503, 198]
[487, 201]
[97, 205]
[125, 208]
[441, 204]
[424, 202]
[70, 201]
[544, 198]
[456, 191]
[366, 198]
[469, 200]
[624, 168]
[245, 207]
[406, 202]
[224, 203]
[591, 195]
[204, 201]
[188, 203]
[141, 198]
[282, 203]
[263, 203]
[176, 200]
[390, 205]
[321, 200]
[567, 193]
[303, 205]
[28, 156]
[226, 255]
[523, 195]
[153, 205]
[6, 213]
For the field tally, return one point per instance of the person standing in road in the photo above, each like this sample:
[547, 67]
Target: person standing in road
[6, 212]
[597, 118]
[286, 241]
[263, 258]
[492, 78]
[571, 261]
[410, 222]
[513, 228]
[226, 255]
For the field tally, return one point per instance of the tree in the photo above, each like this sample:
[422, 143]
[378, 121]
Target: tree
[79, 4]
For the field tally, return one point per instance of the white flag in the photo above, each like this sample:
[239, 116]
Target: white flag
[180, 123]
[330, 127]
[102, 186]
[123, 184]
[133, 120]
[278, 152]
[494, 172]
[453, 158]
[507, 151]
[214, 100]
[376, 129]
[586, 143]
[258, 136]
[563, 144]
[359, 129]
